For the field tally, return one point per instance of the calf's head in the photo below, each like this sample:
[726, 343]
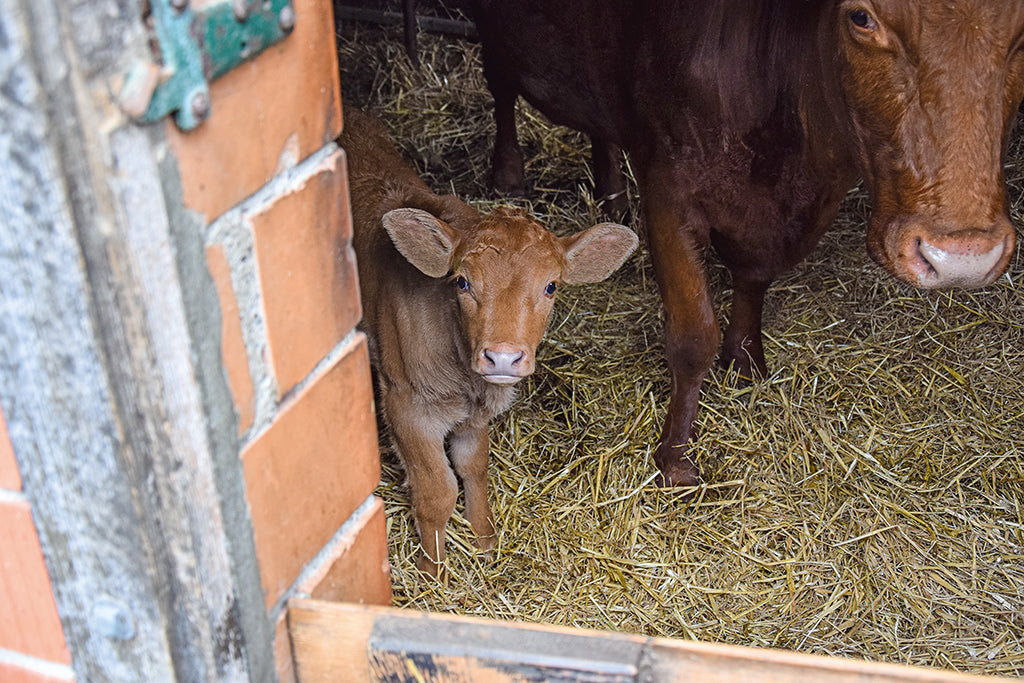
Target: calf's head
[931, 90]
[505, 270]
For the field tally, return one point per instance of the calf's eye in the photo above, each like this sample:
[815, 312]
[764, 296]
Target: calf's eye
[462, 283]
[550, 289]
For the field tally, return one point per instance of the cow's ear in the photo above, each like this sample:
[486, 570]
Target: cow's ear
[595, 253]
[424, 240]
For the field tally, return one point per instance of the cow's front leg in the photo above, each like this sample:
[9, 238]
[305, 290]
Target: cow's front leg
[742, 347]
[433, 487]
[507, 173]
[609, 181]
[677, 236]
[469, 453]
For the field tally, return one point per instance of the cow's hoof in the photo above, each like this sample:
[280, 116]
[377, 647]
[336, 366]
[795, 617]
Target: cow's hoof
[679, 472]
[508, 182]
[746, 366]
[614, 206]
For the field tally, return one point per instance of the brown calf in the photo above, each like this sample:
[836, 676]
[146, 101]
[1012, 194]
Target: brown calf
[455, 303]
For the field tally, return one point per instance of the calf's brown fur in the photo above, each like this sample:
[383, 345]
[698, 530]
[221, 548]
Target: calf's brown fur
[455, 303]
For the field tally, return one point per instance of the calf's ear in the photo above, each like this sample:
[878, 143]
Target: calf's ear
[424, 240]
[595, 253]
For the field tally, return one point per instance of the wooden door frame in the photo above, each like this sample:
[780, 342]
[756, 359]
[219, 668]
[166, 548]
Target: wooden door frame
[110, 370]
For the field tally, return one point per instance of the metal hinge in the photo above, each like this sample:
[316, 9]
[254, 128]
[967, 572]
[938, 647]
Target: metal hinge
[196, 46]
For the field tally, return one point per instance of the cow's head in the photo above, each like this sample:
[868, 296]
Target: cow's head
[505, 270]
[931, 90]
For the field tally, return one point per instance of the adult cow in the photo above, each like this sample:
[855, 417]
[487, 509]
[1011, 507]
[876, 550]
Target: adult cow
[748, 121]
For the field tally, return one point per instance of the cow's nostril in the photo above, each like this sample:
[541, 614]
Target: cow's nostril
[962, 267]
[921, 252]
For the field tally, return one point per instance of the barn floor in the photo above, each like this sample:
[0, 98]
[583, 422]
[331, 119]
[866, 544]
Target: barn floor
[865, 500]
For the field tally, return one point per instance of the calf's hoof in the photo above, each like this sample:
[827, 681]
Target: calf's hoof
[430, 568]
[486, 544]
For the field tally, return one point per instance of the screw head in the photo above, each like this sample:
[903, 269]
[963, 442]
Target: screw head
[112, 619]
[241, 10]
[286, 20]
[200, 105]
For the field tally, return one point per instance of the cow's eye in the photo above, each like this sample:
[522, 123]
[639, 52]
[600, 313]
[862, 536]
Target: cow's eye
[862, 19]
[462, 283]
[550, 289]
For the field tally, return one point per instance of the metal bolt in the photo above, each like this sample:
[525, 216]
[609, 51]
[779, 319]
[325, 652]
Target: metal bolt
[241, 9]
[179, 5]
[112, 619]
[286, 20]
[200, 105]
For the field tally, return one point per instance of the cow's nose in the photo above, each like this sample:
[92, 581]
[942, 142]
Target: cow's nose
[968, 258]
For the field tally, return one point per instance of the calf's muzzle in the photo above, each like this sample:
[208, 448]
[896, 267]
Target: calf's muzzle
[504, 363]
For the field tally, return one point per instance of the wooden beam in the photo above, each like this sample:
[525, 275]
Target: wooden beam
[339, 643]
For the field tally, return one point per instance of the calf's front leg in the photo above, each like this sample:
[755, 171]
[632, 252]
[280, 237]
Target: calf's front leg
[433, 487]
[469, 453]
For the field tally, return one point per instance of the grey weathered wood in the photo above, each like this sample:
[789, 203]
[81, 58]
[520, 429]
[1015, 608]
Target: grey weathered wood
[351, 643]
[110, 378]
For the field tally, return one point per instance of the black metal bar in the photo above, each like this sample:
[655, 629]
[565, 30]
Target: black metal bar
[455, 27]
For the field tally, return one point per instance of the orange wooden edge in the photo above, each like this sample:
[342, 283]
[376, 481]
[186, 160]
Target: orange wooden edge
[342, 642]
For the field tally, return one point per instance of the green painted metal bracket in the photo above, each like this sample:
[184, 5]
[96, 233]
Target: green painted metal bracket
[196, 47]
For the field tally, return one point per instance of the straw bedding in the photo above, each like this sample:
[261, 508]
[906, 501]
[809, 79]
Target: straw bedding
[864, 500]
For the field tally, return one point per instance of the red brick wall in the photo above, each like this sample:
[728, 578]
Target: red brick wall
[32, 648]
[265, 173]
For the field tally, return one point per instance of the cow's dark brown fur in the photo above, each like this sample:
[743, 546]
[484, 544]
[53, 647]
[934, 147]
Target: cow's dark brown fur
[747, 123]
[454, 303]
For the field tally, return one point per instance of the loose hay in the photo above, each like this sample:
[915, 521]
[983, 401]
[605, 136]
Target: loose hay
[864, 500]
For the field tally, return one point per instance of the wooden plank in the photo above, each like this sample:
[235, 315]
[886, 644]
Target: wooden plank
[672, 661]
[339, 643]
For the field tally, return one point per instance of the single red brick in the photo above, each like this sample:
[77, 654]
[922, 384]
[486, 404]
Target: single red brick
[232, 345]
[10, 478]
[359, 570]
[265, 115]
[30, 624]
[313, 466]
[307, 272]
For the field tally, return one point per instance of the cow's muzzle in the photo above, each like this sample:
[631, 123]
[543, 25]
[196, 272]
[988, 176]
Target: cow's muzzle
[935, 260]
